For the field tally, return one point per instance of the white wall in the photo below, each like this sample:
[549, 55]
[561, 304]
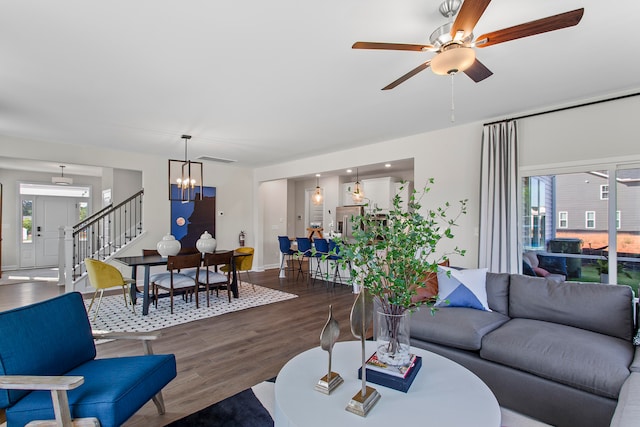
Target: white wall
[126, 183]
[435, 154]
[586, 135]
[273, 207]
[233, 183]
[595, 133]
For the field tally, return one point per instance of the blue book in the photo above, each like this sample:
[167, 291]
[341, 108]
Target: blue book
[393, 381]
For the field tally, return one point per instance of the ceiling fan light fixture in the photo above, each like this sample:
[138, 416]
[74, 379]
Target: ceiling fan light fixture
[453, 59]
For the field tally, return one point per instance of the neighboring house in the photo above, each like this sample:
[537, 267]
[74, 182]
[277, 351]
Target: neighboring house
[582, 208]
[575, 205]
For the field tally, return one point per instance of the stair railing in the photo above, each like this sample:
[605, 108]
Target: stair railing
[102, 234]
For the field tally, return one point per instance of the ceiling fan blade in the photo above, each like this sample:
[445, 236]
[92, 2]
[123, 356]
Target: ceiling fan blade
[478, 72]
[551, 23]
[407, 76]
[468, 16]
[391, 46]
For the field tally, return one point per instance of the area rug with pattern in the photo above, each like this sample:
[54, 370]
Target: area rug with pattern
[114, 316]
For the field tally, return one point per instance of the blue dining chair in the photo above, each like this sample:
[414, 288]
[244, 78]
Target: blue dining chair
[304, 251]
[334, 250]
[287, 252]
[321, 249]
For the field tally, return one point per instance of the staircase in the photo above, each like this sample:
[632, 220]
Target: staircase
[100, 236]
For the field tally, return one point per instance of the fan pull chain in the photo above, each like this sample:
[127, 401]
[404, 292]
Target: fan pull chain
[453, 108]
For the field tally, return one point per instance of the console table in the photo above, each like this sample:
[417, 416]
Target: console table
[443, 394]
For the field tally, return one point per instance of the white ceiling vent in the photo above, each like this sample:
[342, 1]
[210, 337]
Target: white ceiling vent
[216, 159]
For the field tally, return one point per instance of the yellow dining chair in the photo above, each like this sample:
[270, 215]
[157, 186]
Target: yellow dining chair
[243, 263]
[103, 276]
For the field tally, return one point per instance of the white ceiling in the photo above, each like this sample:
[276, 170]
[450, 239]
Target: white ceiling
[268, 81]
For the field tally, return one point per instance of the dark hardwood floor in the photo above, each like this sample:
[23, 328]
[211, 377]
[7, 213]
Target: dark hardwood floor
[220, 356]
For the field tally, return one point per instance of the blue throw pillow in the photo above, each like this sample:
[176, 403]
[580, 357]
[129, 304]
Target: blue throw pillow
[462, 288]
[527, 269]
[553, 264]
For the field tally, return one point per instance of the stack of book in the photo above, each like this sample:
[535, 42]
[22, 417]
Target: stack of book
[398, 378]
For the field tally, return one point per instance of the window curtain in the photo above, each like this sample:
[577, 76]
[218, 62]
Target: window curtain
[499, 251]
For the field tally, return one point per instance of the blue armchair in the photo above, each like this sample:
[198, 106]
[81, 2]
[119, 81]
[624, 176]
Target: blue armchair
[49, 370]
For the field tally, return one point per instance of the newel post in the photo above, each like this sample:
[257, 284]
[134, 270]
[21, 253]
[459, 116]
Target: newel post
[65, 258]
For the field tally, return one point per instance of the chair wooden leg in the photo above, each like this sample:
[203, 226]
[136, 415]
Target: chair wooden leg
[206, 291]
[155, 295]
[171, 298]
[229, 291]
[159, 401]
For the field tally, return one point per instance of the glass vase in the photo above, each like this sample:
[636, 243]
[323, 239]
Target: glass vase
[392, 338]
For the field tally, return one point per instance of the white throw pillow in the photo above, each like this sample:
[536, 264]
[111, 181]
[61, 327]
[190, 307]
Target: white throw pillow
[462, 288]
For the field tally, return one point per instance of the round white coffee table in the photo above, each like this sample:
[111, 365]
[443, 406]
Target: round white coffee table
[443, 394]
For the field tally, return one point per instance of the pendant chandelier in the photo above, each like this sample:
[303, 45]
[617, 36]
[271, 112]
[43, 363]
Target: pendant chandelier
[358, 194]
[317, 196]
[62, 180]
[185, 178]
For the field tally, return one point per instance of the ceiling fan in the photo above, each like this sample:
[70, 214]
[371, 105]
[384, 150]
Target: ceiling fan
[454, 44]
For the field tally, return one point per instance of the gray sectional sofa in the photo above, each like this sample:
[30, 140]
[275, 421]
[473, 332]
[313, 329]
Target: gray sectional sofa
[558, 352]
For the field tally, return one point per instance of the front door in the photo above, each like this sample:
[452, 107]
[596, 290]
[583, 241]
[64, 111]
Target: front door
[39, 247]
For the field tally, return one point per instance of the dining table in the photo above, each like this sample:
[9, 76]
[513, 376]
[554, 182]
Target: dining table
[148, 261]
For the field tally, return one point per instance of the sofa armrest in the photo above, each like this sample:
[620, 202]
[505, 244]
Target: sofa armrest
[635, 363]
[627, 410]
[145, 337]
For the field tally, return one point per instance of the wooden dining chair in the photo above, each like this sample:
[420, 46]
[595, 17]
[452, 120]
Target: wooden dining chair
[210, 277]
[176, 282]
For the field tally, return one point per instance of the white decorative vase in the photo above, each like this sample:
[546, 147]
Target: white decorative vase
[168, 246]
[206, 243]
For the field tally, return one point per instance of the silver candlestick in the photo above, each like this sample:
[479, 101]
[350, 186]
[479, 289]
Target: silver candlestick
[361, 317]
[328, 338]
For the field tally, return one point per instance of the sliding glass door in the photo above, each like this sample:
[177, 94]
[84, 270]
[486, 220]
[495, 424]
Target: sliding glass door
[584, 222]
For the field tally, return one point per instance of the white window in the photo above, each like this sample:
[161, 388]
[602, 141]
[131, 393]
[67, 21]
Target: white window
[604, 192]
[590, 219]
[617, 220]
[563, 219]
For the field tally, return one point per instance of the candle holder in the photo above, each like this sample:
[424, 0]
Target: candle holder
[328, 338]
[361, 317]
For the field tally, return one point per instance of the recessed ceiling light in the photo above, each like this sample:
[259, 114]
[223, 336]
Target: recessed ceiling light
[388, 165]
[349, 171]
[318, 174]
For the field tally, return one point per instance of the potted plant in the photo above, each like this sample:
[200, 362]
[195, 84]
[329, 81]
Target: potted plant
[602, 267]
[391, 255]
